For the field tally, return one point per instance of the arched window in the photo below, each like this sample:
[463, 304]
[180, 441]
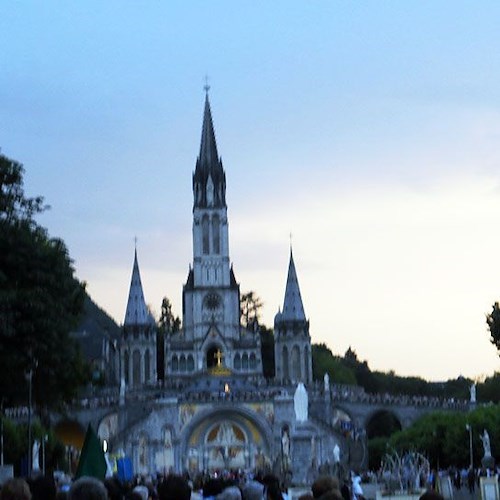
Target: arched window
[190, 363]
[306, 364]
[175, 364]
[215, 234]
[126, 366]
[182, 364]
[286, 373]
[147, 367]
[244, 362]
[205, 234]
[237, 362]
[253, 361]
[296, 372]
[136, 367]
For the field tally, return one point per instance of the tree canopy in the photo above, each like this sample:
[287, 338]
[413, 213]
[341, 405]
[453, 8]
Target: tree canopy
[493, 322]
[40, 300]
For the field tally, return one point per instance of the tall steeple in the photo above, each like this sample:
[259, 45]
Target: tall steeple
[137, 313]
[209, 179]
[293, 309]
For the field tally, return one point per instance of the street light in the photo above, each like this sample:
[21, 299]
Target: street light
[469, 428]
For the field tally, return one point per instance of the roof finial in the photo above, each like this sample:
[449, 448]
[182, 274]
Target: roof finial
[290, 242]
[135, 242]
[206, 87]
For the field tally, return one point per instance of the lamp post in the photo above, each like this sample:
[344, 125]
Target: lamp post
[469, 428]
[30, 378]
[1, 433]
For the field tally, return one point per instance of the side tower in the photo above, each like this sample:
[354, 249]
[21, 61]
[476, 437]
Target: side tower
[138, 347]
[292, 342]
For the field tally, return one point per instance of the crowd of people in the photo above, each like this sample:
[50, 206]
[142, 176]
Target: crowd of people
[223, 486]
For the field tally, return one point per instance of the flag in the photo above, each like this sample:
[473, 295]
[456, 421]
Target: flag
[92, 460]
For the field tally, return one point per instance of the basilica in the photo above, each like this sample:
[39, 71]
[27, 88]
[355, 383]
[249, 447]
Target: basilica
[213, 409]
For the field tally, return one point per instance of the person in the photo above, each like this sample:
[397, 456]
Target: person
[87, 488]
[326, 488]
[174, 488]
[15, 489]
[357, 491]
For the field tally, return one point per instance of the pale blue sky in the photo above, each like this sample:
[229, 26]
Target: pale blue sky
[370, 130]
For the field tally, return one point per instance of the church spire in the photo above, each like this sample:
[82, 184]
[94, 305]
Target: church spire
[293, 308]
[209, 179]
[137, 313]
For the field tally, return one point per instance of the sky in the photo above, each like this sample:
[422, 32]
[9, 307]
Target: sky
[368, 130]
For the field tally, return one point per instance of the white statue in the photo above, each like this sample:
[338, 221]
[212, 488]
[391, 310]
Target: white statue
[301, 403]
[285, 443]
[35, 462]
[485, 438]
[326, 380]
[336, 454]
[472, 390]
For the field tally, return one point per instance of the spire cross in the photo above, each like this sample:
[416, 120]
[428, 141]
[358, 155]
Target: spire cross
[135, 242]
[206, 87]
[290, 240]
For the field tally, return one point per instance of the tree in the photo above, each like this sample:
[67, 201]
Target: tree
[167, 325]
[40, 301]
[493, 322]
[250, 306]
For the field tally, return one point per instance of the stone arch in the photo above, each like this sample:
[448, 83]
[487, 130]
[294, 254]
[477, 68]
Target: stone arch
[256, 427]
[136, 367]
[244, 361]
[216, 234]
[252, 362]
[175, 363]
[205, 235]
[182, 364]
[306, 364]
[142, 453]
[295, 363]
[190, 363]
[147, 366]
[286, 372]
[126, 366]
[382, 422]
[167, 459]
[237, 362]
[214, 356]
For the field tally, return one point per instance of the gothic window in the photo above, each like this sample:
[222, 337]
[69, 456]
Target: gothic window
[296, 372]
[190, 363]
[237, 362]
[136, 367]
[205, 230]
[244, 361]
[182, 364]
[286, 374]
[306, 364]
[147, 367]
[126, 366]
[253, 361]
[175, 364]
[215, 234]
[212, 301]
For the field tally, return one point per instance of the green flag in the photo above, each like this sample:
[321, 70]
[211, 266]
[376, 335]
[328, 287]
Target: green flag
[92, 461]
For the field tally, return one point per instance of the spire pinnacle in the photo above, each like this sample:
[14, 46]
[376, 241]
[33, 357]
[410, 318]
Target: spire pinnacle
[293, 309]
[137, 312]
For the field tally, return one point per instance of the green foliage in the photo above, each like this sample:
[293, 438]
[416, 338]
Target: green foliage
[323, 361]
[493, 322]
[267, 351]
[377, 448]
[444, 439]
[489, 390]
[40, 301]
[250, 307]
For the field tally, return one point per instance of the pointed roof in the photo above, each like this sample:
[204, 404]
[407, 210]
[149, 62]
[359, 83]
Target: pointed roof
[293, 309]
[137, 313]
[208, 147]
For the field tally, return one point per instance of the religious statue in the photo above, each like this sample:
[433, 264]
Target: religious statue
[326, 380]
[336, 454]
[35, 462]
[285, 444]
[301, 403]
[485, 438]
[472, 390]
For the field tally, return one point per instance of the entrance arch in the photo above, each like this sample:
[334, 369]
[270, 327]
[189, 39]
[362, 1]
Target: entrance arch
[215, 357]
[226, 438]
